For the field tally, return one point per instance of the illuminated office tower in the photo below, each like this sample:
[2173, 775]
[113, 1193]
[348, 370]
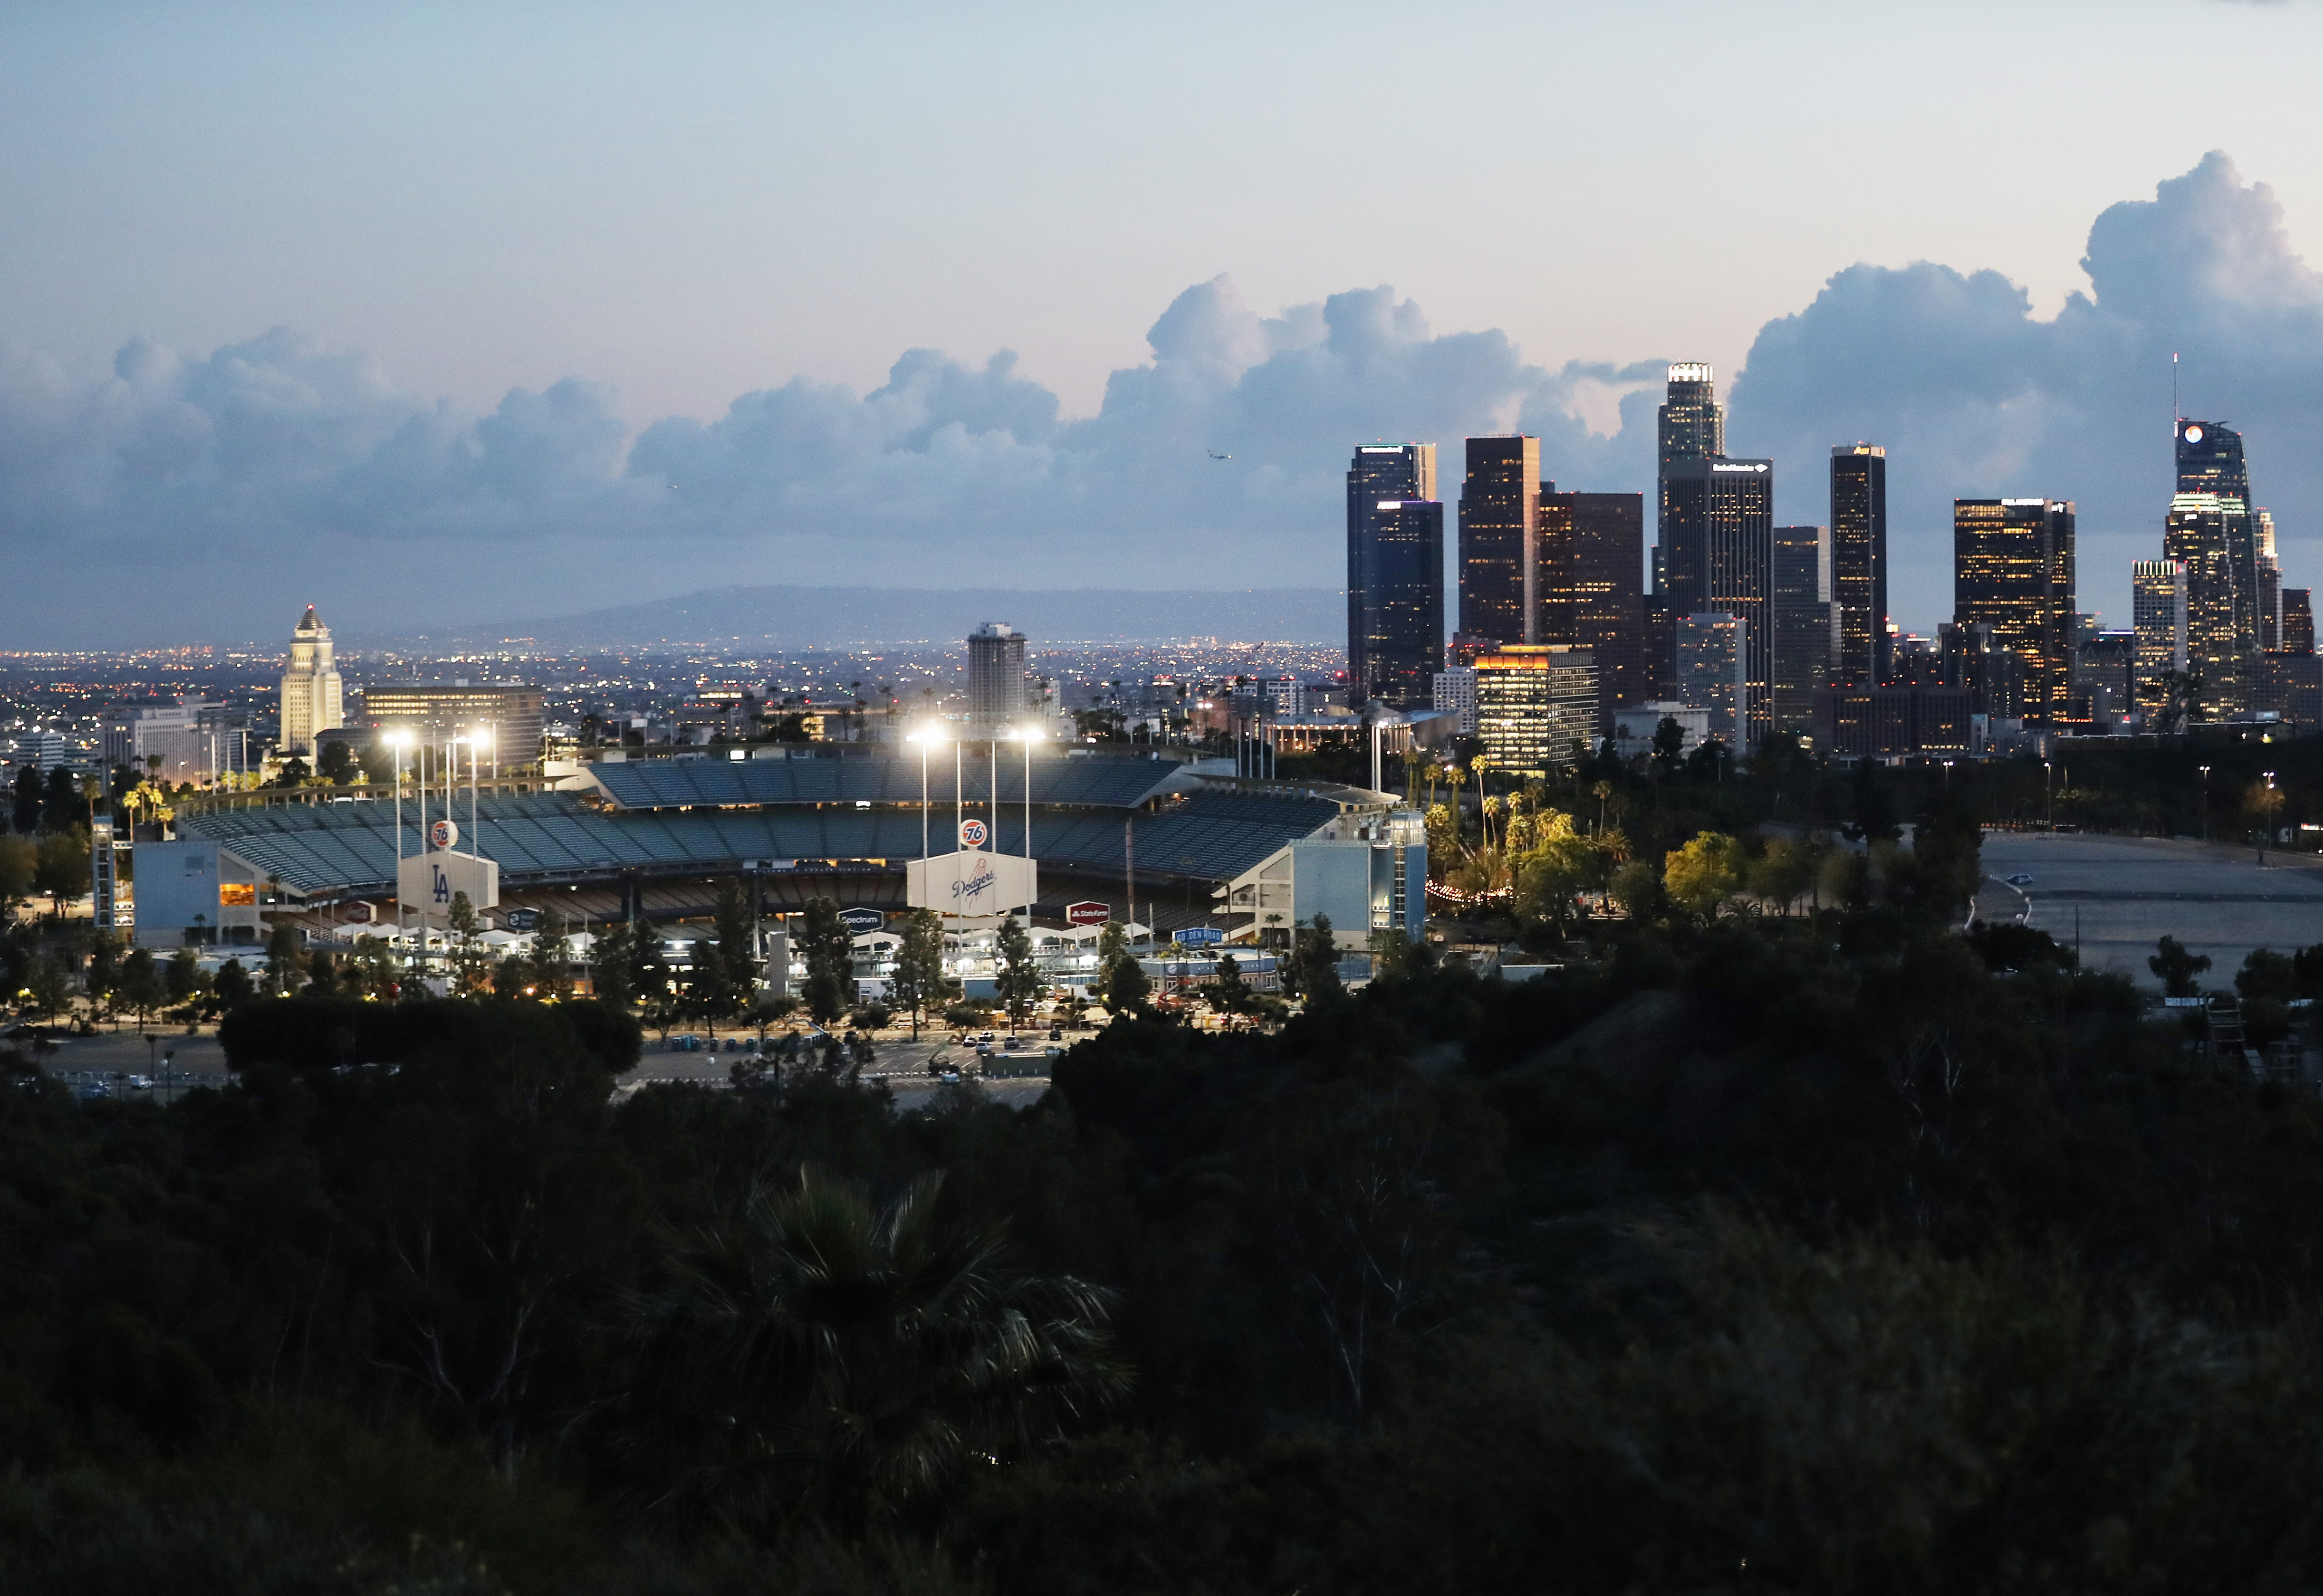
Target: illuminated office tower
[1395, 574]
[2157, 600]
[1690, 424]
[2298, 621]
[1535, 708]
[1500, 505]
[2198, 534]
[2210, 461]
[2270, 584]
[1858, 562]
[312, 701]
[2012, 571]
[1806, 626]
[1712, 649]
[997, 690]
[1591, 547]
[1719, 558]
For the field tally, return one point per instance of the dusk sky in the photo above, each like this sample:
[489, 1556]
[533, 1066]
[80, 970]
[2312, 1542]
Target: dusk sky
[431, 315]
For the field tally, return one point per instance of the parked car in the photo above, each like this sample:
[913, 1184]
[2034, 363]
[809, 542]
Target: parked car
[1056, 1033]
[1014, 1043]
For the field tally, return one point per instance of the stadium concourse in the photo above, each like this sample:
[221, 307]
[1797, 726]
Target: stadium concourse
[654, 838]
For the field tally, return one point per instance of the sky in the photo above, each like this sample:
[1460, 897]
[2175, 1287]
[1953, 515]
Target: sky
[437, 314]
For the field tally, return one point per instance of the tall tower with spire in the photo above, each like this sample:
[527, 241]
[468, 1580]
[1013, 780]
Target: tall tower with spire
[310, 687]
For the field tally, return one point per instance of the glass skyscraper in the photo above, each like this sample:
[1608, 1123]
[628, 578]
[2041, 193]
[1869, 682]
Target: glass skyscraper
[2211, 463]
[2157, 600]
[1806, 622]
[1395, 574]
[1720, 557]
[1858, 561]
[1590, 548]
[1500, 505]
[2012, 571]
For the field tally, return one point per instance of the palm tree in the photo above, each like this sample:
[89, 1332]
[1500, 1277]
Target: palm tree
[826, 1356]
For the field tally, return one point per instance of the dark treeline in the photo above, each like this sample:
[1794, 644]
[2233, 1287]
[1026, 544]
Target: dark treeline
[1818, 1255]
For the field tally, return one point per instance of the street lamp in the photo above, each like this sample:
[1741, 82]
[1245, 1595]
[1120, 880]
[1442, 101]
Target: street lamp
[2202, 800]
[2049, 775]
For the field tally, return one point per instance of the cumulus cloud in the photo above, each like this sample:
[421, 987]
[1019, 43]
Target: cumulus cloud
[188, 497]
[1973, 395]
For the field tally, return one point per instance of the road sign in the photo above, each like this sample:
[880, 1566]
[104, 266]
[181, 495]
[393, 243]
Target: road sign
[1200, 936]
[860, 920]
[443, 833]
[974, 833]
[1086, 913]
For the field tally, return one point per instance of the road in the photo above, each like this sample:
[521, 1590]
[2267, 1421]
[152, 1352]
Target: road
[903, 1063]
[2118, 896]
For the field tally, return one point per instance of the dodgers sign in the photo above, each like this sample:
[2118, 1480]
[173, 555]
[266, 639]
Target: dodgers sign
[972, 882]
[974, 833]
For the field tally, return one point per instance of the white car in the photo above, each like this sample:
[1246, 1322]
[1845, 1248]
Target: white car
[2020, 879]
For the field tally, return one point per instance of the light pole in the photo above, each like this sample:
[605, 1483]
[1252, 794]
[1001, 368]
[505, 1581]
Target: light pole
[2202, 800]
[1028, 735]
[926, 737]
[2049, 775]
[397, 741]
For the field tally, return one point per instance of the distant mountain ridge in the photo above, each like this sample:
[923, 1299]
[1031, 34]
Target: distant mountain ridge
[846, 617]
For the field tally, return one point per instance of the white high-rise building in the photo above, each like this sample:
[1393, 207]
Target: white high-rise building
[310, 687]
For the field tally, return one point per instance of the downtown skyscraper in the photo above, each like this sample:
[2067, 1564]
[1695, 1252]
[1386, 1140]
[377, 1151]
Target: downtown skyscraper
[1500, 520]
[1858, 562]
[2012, 571]
[1591, 549]
[1395, 574]
[2211, 530]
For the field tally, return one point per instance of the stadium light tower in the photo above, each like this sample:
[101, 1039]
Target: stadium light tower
[1028, 736]
[927, 737]
[398, 741]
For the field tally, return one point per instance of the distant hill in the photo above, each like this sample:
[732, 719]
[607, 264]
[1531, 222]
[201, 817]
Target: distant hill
[816, 616]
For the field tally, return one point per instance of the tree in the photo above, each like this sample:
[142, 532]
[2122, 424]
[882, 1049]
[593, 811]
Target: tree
[50, 986]
[651, 965]
[467, 959]
[1018, 978]
[731, 962]
[1121, 980]
[2178, 967]
[102, 979]
[2262, 804]
[820, 1354]
[321, 975]
[1783, 874]
[18, 860]
[612, 967]
[1638, 889]
[1669, 746]
[1312, 970]
[551, 970]
[233, 986]
[1231, 995]
[140, 984]
[181, 978]
[337, 764]
[61, 869]
[63, 806]
[829, 950]
[281, 957]
[27, 814]
[1703, 875]
[919, 979]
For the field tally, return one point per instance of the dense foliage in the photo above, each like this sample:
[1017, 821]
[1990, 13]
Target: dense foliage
[1819, 1254]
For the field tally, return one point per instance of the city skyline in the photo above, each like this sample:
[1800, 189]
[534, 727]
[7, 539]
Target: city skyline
[521, 387]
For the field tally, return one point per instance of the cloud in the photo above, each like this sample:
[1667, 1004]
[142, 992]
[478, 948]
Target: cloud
[187, 497]
[1974, 396]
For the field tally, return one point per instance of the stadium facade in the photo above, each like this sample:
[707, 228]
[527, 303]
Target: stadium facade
[653, 839]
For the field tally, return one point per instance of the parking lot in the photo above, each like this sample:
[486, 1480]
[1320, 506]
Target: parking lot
[2117, 896]
[908, 1067]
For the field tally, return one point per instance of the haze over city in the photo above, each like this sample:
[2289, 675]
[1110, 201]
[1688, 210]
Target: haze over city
[438, 318]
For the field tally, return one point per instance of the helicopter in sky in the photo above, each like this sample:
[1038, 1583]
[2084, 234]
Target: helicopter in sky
[1216, 455]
